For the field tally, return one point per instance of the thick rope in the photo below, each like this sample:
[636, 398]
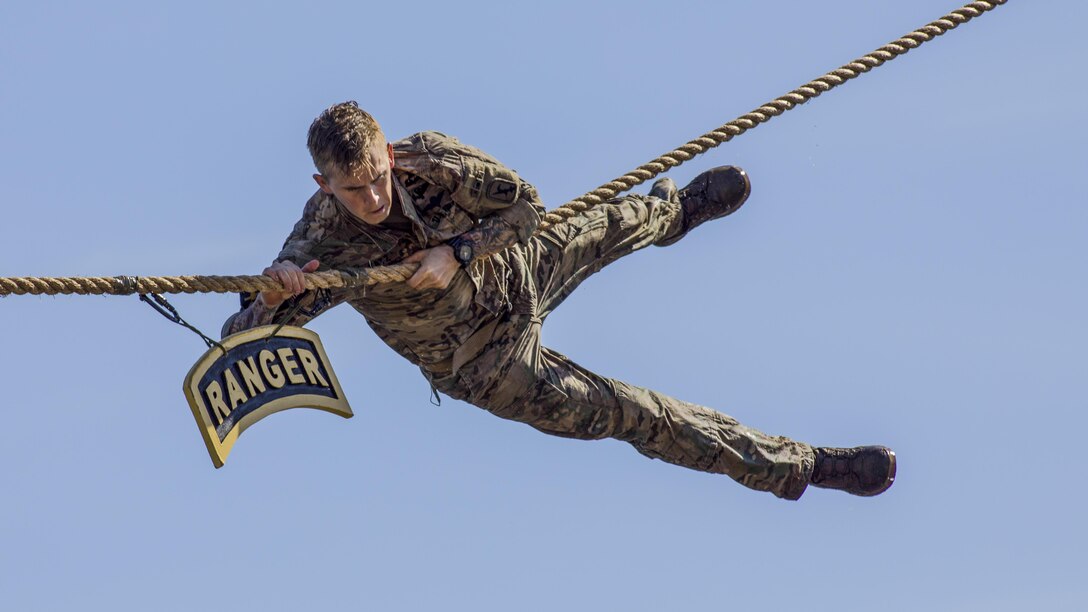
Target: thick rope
[126, 285]
[130, 285]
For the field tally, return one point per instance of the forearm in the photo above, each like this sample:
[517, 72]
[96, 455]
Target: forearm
[504, 228]
[255, 314]
[296, 311]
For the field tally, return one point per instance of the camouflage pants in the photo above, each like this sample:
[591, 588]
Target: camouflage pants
[516, 378]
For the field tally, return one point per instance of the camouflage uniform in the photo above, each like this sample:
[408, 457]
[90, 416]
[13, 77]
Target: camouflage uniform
[479, 339]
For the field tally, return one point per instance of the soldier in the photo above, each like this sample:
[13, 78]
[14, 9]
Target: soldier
[470, 316]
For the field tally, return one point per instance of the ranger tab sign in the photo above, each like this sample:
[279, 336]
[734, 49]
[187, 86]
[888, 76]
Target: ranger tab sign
[258, 374]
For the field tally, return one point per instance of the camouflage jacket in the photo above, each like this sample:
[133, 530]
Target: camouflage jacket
[446, 189]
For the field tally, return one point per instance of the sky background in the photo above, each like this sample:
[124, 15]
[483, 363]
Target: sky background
[910, 271]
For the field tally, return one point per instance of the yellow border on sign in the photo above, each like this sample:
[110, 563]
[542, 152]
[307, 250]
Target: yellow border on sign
[219, 450]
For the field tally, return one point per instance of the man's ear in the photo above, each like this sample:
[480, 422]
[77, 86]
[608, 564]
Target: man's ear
[389, 147]
[323, 184]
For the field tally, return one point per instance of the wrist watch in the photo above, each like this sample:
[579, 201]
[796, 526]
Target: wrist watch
[462, 251]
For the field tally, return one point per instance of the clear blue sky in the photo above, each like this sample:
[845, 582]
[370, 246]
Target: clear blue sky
[910, 270]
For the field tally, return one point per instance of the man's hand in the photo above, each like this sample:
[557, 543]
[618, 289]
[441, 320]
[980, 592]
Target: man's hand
[290, 275]
[437, 267]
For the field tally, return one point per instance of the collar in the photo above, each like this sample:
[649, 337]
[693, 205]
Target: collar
[408, 207]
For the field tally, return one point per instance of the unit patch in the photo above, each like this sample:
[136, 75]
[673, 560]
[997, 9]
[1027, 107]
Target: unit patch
[502, 190]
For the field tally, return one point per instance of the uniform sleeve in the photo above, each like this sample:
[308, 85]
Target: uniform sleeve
[508, 208]
[507, 226]
[300, 247]
[296, 311]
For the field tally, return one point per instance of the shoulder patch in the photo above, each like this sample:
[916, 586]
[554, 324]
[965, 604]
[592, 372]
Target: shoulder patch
[502, 190]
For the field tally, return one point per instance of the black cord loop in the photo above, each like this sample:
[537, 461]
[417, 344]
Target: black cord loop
[160, 305]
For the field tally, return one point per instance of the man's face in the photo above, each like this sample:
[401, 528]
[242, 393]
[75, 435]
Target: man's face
[368, 194]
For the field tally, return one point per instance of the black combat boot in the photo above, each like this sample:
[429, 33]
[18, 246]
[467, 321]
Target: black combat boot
[711, 195]
[665, 189]
[865, 470]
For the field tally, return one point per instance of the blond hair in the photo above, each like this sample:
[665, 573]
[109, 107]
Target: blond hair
[341, 138]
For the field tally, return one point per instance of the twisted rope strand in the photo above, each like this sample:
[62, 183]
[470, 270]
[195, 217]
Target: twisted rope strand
[130, 285]
[127, 285]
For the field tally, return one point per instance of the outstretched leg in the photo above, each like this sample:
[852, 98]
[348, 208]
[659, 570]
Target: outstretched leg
[557, 396]
[562, 256]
